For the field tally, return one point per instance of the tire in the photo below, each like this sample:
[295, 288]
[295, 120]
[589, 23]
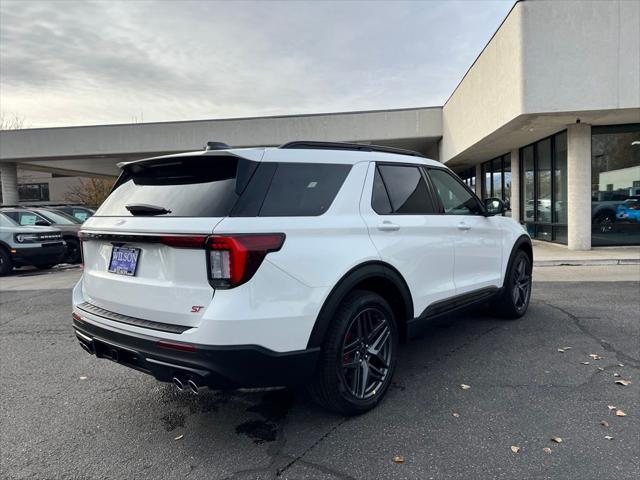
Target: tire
[72, 255]
[45, 266]
[604, 222]
[346, 359]
[6, 265]
[516, 292]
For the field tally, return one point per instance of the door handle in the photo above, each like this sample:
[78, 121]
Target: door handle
[463, 226]
[387, 226]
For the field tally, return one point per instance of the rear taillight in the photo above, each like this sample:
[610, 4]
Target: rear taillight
[233, 259]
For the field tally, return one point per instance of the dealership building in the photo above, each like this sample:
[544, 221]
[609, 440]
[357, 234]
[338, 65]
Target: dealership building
[546, 118]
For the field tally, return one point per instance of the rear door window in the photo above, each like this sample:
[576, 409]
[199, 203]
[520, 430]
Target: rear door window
[183, 186]
[407, 189]
[303, 189]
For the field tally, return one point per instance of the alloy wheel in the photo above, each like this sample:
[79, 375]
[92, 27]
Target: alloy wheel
[521, 284]
[366, 353]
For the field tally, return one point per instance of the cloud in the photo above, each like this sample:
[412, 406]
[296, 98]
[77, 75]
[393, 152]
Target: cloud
[105, 62]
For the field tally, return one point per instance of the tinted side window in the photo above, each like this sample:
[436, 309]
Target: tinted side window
[407, 189]
[379, 197]
[303, 189]
[455, 199]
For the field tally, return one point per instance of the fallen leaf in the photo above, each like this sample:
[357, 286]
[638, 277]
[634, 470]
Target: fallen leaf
[556, 439]
[601, 369]
[398, 459]
[179, 437]
[561, 350]
[515, 449]
[456, 414]
[623, 382]
[585, 363]
[464, 386]
[608, 437]
[595, 356]
[621, 364]
[604, 423]
[611, 407]
[83, 378]
[567, 348]
[546, 450]
[620, 413]
[616, 374]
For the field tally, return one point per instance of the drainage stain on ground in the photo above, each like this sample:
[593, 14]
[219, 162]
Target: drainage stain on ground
[173, 420]
[273, 407]
[259, 431]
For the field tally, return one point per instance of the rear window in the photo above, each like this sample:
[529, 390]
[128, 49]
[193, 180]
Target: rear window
[225, 186]
[303, 189]
[182, 186]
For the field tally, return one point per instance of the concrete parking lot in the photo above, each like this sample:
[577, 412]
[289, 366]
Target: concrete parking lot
[65, 414]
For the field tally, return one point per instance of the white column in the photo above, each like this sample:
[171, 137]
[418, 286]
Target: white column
[579, 186]
[515, 185]
[479, 180]
[9, 180]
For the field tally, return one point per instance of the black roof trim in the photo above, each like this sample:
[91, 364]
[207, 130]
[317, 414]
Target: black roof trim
[315, 145]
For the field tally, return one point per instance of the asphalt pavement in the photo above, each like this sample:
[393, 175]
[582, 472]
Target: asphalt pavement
[65, 414]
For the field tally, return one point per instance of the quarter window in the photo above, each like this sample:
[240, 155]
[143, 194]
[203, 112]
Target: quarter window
[456, 200]
[407, 190]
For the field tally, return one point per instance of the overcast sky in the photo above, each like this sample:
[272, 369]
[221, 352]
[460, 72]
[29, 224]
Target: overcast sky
[79, 63]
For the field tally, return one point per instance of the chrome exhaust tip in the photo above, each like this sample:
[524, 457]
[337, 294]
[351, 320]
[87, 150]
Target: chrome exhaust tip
[193, 386]
[178, 383]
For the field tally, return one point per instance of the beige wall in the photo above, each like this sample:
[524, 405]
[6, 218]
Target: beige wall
[549, 63]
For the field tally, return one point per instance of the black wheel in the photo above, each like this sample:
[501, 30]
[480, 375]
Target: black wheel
[514, 300]
[358, 356]
[72, 254]
[45, 266]
[604, 222]
[6, 265]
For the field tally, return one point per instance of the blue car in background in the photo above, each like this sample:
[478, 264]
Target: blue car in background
[629, 210]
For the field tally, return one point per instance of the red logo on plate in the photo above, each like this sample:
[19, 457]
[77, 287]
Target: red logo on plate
[196, 308]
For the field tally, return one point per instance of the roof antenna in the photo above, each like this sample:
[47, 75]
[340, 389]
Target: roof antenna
[217, 146]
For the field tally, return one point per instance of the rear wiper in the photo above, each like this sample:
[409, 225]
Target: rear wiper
[144, 209]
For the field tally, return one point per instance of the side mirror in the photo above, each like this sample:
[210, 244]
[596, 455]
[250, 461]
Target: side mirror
[494, 206]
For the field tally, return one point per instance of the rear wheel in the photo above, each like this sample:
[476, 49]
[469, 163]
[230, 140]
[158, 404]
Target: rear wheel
[514, 299]
[72, 254]
[358, 357]
[6, 265]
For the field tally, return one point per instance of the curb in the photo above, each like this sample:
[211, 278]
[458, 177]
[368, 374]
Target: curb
[586, 262]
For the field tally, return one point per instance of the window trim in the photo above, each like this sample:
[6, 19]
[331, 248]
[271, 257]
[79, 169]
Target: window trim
[434, 200]
[480, 203]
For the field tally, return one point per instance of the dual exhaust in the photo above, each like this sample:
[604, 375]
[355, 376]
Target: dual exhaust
[184, 383]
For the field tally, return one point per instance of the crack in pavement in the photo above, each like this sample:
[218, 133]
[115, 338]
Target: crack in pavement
[620, 356]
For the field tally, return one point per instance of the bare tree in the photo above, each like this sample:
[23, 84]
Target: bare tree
[89, 191]
[13, 122]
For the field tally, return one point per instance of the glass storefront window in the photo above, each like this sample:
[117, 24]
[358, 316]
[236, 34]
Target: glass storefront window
[496, 176]
[543, 168]
[615, 185]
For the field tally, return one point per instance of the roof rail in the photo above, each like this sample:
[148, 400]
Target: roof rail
[315, 145]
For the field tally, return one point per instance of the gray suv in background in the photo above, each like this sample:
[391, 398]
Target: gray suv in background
[49, 217]
[21, 245]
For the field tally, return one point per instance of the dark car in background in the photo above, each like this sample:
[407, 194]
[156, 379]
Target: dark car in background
[50, 217]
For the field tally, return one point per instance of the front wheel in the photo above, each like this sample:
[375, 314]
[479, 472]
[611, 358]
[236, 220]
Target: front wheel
[358, 356]
[516, 292]
[6, 265]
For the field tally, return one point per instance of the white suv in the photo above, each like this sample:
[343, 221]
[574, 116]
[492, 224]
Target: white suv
[304, 264]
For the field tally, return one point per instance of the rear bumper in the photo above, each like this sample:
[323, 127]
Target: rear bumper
[219, 367]
[46, 254]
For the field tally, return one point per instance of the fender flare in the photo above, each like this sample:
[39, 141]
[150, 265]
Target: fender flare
[354, 277]
[522, 241]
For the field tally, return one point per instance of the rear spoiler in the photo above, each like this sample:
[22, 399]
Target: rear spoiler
[253, 154]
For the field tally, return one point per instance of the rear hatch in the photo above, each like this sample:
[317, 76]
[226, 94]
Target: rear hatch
[144, 247]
